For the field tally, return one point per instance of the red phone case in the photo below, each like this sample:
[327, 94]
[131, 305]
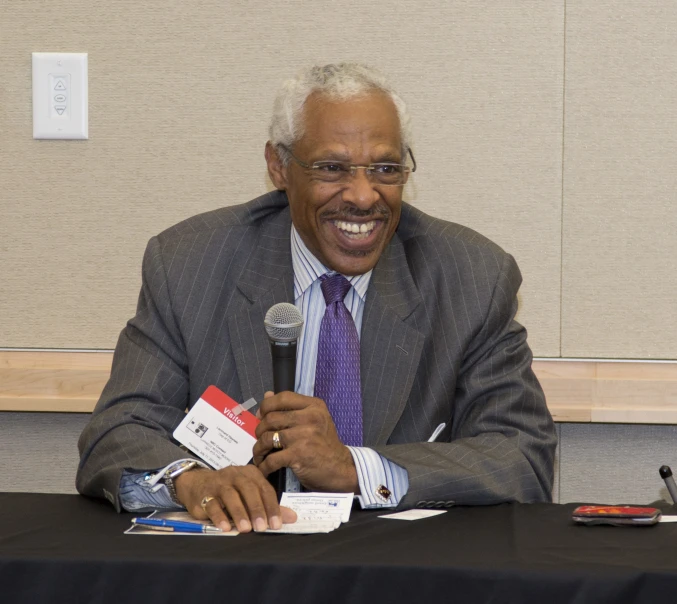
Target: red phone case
[617, 515]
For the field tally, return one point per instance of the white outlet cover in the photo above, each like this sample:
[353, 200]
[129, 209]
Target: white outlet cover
[60, 95]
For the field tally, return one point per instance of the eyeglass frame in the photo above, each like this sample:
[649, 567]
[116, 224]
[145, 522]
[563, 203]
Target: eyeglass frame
[353, 167]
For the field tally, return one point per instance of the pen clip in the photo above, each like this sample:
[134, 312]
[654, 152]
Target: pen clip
[153, 527]
[143, 525]
[437, 432]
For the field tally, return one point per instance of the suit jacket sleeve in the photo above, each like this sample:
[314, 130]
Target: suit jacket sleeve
[146, 396]
[502, 439]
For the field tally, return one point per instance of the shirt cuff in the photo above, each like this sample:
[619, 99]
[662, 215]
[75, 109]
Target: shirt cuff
[145, 491]
[382, 482]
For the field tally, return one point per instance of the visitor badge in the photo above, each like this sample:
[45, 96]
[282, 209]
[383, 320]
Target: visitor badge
[218, 430]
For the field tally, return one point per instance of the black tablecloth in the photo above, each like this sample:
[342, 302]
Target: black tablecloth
[65, 548]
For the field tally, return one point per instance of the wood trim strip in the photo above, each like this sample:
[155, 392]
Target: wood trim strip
[52, 381]
[576, 391]
[609, 391]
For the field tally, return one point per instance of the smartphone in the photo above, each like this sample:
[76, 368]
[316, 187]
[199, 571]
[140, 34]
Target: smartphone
[617, 515]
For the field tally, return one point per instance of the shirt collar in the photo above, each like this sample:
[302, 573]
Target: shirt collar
[308, 269]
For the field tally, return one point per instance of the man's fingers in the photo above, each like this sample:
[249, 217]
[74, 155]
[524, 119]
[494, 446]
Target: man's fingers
[265, 445]
[276, 421]
[285, 401]
[214, 511]
[262, 447]
[288, 515]
[277, 515]
[275, 461]
[232, 503]
[256, 510]
[252, 503]
[273, 510]
[261, 501]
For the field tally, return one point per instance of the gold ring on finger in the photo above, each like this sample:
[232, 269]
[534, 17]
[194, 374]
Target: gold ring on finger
[205, 501]
[276, 441]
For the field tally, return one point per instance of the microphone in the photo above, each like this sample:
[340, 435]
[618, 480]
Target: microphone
[666, 475]
[283, 324]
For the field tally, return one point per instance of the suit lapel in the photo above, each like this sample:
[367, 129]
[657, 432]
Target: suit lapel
[390, 349]
[267, 279]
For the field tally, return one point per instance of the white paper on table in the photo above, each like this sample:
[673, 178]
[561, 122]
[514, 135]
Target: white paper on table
[413, 514]
[668, 519]
[306, 527]
[319, 507]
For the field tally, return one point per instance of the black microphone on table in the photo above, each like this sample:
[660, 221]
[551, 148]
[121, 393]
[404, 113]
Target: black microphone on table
[666, 475]
[283, 323]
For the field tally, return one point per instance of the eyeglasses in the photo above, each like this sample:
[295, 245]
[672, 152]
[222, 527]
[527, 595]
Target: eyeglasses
[382, 173]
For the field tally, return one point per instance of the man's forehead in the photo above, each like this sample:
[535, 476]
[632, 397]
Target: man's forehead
[367, 102]
[370, 117]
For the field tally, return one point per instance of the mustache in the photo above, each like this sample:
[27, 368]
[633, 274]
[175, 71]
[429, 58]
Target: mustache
[377, 211]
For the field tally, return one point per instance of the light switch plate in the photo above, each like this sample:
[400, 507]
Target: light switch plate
[60, 95]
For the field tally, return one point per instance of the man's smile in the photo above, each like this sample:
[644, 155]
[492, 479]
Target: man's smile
[358, 230]
[361, 237]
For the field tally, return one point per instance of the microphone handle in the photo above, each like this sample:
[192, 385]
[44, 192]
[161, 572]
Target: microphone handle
[284, 378]
[284, 365]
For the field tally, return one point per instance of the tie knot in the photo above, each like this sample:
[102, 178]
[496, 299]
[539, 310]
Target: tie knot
[334, 287]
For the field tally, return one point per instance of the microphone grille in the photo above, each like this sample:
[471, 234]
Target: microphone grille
[283, 322]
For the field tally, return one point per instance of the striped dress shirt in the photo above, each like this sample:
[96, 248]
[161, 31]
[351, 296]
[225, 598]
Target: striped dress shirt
[373, 470]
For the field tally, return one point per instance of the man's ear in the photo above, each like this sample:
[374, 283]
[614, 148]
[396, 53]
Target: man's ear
[276, 171]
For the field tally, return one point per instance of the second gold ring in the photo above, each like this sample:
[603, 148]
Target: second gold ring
[205, 501]
[276, 441]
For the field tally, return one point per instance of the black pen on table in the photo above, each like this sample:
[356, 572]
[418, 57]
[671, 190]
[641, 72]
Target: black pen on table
[174, 526]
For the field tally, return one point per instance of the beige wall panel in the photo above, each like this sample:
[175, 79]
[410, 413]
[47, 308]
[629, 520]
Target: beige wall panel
[605, 463]
[39, 451]
[620, 217]
[180, 94]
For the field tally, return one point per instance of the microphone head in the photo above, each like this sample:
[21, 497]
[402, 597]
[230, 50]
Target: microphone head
[283, 322]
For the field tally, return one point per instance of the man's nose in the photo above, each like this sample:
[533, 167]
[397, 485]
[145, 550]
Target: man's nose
[360, 190]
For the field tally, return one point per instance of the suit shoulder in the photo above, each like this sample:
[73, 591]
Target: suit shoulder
[447, 239]
[451, 259]
[243, 215]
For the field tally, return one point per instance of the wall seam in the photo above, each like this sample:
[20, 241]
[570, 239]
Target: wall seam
[561, 219]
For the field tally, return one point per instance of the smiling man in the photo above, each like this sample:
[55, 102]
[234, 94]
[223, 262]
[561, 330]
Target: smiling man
[409, 335]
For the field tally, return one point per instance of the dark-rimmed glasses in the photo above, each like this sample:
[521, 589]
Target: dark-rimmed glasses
[335, 171]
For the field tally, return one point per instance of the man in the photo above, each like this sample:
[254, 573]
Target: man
[423, 335]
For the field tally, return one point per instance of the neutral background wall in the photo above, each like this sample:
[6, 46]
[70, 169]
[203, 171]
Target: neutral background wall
[180, 95]
[549, 126]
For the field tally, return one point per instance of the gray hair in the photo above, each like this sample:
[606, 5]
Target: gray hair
[340, 81]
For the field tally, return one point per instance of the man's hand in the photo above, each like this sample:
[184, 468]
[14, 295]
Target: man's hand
[242, 492]
[310, 445]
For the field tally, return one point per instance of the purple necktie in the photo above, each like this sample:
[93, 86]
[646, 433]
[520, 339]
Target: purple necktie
[337, 376]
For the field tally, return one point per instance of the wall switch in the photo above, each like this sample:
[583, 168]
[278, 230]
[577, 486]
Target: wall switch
[60, 95]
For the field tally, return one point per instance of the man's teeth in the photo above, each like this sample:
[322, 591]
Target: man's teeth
[354, 229]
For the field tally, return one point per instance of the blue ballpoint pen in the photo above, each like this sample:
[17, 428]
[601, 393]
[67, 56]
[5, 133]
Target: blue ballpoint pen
[175, 526]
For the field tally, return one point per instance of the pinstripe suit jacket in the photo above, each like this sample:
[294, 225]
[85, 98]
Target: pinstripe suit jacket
[438, 344]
